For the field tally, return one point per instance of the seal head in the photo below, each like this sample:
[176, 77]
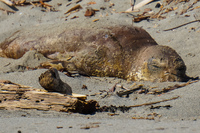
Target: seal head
[159, 63]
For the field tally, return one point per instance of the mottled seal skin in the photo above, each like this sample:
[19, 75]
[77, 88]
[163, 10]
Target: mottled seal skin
[122, 51]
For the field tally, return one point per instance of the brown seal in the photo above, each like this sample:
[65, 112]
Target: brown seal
[121, 51]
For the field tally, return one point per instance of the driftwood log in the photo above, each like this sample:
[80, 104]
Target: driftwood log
[50, 81]
[17, 97]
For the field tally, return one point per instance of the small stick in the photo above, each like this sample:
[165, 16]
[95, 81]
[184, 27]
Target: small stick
[146, 118]
[145, 104]
[113, 88]
[8, 11]
[141, 4]
[121, 93]
[8, 2]
[44, 4]
[74, 8]
[182, 25]
[132, 5]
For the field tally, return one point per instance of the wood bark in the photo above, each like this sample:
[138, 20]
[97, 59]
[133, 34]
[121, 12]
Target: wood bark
[17, 97]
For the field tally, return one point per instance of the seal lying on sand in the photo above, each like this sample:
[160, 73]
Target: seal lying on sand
[121, 51]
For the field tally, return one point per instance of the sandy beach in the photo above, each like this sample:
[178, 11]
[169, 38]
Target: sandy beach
[182, 114]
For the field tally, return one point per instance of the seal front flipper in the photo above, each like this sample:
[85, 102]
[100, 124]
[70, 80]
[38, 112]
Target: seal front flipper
[64, 66]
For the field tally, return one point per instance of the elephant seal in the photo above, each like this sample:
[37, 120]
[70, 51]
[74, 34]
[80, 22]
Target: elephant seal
[116, 51]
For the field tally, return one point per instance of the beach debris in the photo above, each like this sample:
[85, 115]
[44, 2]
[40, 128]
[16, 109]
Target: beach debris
[95, 20]
[127, 92]
[44, 4]
[29, 2]
[141, 89]
[90, 125]
[18, 97]
[158, 107]
[170, 88]
[34, 3]
[150, 116]
[69, 3]
[78, 1]
[50, 81]
[89, 12]
[112, 114]
[73, 10]
[145, 118]
[141, 4]
[74, 17]
[8, 2]
[132, 2]
[113, 109]
[59, 4]
[76, 7]
[84, 87]
[140, 18]
[171, 5]
[79, 96]
[111, 4]
[165, 7]
[151, 103]
[182, 25]
[158, 5]
[7, 11]
[59, 127]
[113, 88]
[147, 10]
[91, 3]
[85, 127]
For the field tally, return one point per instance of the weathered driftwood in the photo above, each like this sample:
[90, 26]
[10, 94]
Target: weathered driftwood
[50, 81]
[17, 97]
[141, 4]
[8, 2]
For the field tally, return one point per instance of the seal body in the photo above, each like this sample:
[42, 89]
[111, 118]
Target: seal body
[120, 51]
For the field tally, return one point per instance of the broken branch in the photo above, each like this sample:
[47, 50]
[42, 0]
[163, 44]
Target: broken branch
[151, 103]
[182, 25]
[74, 8]
[141, 4]
[8, 2]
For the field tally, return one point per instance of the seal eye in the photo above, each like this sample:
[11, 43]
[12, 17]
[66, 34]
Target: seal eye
[156, 66]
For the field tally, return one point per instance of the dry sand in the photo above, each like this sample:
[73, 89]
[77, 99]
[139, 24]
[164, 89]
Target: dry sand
[184, 112]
